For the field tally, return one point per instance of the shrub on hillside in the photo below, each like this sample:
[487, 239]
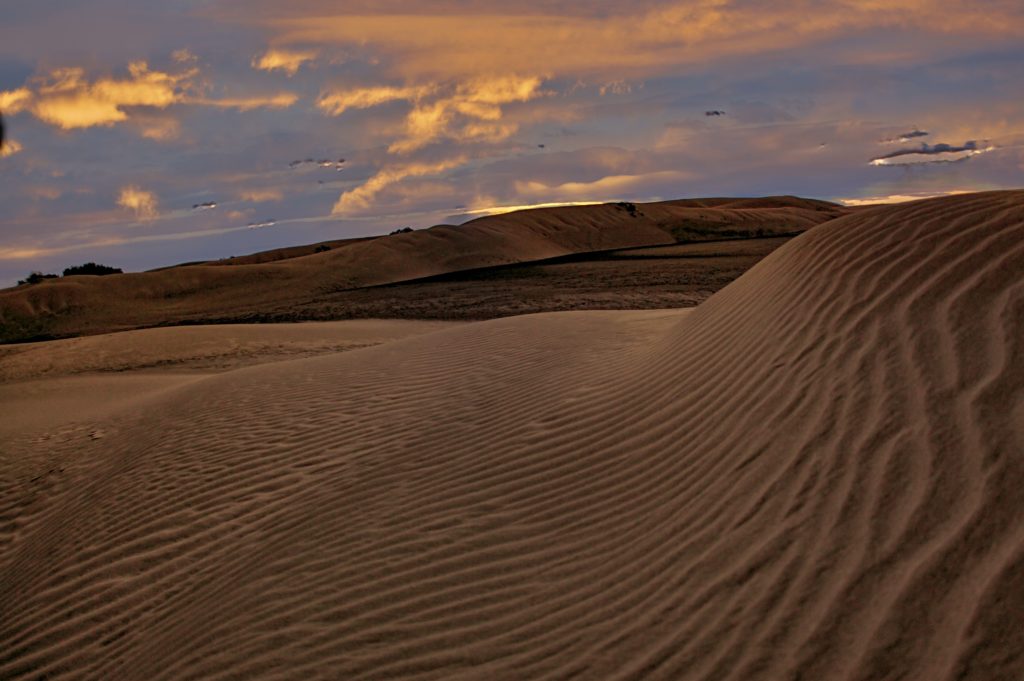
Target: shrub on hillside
[91, 268]
[629, 208]
[35, 278]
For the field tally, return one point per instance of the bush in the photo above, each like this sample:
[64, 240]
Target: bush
[91, 268]
[628, 207]
[321, 248]
[35, 278]
[403, 230]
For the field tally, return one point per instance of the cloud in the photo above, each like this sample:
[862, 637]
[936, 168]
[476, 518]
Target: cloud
[938, 153]
[468, 111]
[501, 210]
[10, 148]
[282, 100]
[361, 198]
[24, 253]
[604, 188]
[68, 100]
[289, 61]
[261, 195]
[338, 102]
[901, 198]
[14, 101]
[157, 125]
[656, 37]
[906, 137]
[16, 253]
[616, 87]
[140, 201]
[184, 56]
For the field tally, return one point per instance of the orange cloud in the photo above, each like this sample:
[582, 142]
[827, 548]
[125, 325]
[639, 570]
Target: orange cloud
[361, 198]
[281, 100]
[143, 203]
[66, 99]
[10, 148]
[24, 253]
[469, 111]
[261, 195]
[608, 187]
[501, 210]
[289, 61]
[14, 101]
[157, 125]
[161, 130]
[337, 103]
[184, 56]
[434, 45]
[901, 198]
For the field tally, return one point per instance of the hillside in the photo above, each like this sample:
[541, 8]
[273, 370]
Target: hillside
[273, 280]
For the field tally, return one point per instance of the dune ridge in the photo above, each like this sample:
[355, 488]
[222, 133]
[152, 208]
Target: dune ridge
[284, 278]
[817, 473]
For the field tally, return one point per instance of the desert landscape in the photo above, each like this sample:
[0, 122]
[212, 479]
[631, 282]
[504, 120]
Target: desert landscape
[366, 340]
[702, 439]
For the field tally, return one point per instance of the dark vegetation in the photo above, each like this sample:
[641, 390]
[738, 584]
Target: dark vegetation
[403, 230]
[87, 268]
[91, 268]
[321, 248]
[35, 278]
[629, 208]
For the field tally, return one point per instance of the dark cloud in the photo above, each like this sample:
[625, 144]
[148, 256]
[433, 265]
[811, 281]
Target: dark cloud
[907, 136]
[323, 163]
[935, 153]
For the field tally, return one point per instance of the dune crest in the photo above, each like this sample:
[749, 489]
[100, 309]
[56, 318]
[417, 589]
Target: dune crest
[816, 474]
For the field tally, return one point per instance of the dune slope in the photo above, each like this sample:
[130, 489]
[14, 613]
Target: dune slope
[819, 473]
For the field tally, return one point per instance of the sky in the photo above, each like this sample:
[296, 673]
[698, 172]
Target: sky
[144, 133]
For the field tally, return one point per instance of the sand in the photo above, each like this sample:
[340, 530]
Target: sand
[816, 474]
[210, 348]
[45, 387]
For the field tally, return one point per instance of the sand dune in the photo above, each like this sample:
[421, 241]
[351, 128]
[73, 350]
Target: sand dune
[816, 474]
[64, 387]
[199, 348]
[275, 282]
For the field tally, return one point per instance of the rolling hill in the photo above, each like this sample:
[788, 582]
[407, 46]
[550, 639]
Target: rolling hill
[286, 277]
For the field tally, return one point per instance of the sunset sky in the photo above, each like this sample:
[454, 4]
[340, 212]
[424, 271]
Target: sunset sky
[128, 119]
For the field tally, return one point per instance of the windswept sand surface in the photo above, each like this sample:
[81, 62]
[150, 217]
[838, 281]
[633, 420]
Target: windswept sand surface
[200, 348]
[817, 474]
[61, 386]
